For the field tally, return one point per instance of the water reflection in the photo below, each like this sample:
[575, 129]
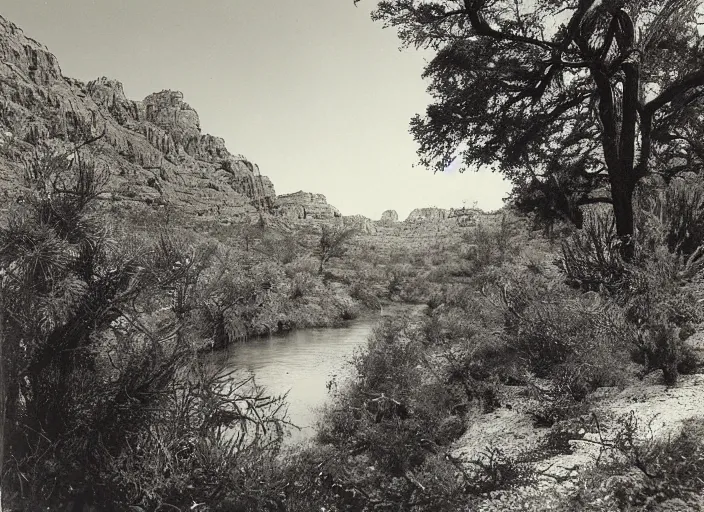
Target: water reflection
[302, 363]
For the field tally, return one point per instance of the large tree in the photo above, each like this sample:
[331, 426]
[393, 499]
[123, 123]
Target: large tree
[565, 97]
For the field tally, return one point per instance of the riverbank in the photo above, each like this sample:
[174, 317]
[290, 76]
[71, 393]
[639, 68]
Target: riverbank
[304, 364]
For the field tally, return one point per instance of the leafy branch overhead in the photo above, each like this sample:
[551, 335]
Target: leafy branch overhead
[564, 97]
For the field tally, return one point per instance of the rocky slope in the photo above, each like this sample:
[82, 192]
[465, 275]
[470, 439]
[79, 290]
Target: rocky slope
[154, 148]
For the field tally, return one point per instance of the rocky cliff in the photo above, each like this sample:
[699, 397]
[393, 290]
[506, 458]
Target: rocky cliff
[154, 149]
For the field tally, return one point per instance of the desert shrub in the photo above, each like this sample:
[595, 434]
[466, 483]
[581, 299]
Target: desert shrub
[212, 440]
[654, 291]
[394, 286]
[283, 248]
[389, 413]
[650, 474]
[650, 289]
[558, 440]
[555, 406]
[591, 256]
[673, 467]
[323, 478]
[663, 313]
[560, 333]
[495, 471]
[676, 212]
[365, 296]
[302, 265]
[463, 359]
[661, 348]
[491, 246]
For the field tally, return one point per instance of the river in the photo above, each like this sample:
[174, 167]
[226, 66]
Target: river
[301, 363]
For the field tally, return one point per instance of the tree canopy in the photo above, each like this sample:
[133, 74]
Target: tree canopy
[564, 97]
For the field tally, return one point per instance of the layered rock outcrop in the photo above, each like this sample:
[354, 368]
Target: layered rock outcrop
[305, 205]
[154, 148]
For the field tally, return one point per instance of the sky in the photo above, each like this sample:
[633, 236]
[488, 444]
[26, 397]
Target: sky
[313, 91]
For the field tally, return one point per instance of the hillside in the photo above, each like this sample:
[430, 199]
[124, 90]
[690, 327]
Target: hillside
[154, 148]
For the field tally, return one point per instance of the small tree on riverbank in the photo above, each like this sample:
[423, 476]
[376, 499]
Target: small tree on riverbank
[333, 243]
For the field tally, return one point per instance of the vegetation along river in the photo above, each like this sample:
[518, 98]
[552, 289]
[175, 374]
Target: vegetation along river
[302, 363]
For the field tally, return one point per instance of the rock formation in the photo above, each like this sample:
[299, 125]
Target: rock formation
[305, 205]
[154, 149]
[427, 215]
[389, 217]
[360, 223]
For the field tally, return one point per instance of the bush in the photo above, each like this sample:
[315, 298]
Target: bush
[495, 472]
[390, 412]
[651, 475]
[562, 335]
[210, 429]
[661, 348]
[677, 213]
[591, 256]
[649, 290]
[384, 454]
[491, 246]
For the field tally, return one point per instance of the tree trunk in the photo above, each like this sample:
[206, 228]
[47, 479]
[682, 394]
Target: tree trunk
[622, 196]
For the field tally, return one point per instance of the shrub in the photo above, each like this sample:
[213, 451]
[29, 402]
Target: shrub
[495, 471]
[651, 474]
[677, 212]
[487, 246]
[557, 406]
[661, 348]
[210, 429]
[563, 335]
[591, 256]
[390, 412]
[361, 293]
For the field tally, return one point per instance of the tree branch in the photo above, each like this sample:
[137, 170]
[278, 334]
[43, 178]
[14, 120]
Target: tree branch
[482, 28]
[594, 200]
[690, 81]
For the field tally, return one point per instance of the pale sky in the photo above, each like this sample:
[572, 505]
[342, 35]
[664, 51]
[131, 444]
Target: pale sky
[313, 91]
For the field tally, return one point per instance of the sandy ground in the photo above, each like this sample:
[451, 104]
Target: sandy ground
[659, 410]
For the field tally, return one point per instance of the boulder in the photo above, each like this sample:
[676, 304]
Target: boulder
[389, 217]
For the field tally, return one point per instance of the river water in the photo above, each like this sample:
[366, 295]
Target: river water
[301, 363]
